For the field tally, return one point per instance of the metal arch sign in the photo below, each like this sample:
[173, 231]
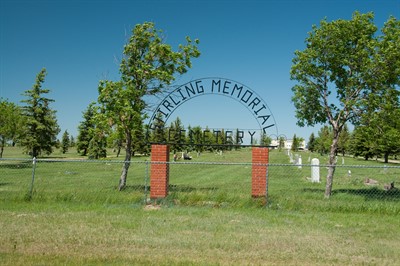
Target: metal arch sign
[215, 86]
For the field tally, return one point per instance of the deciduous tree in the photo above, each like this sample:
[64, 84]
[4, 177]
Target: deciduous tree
[148, 66]
[345, 63]
[11, 123]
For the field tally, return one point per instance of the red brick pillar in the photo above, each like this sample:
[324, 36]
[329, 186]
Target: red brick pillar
[259, 171]
[159, 171]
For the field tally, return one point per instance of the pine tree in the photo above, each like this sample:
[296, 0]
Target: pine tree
[158, 132]
[65, 142]
[312, 143]
[85, 133]
[295, 143]
[41, 124]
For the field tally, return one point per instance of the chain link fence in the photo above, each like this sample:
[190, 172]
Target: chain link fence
[218, 184]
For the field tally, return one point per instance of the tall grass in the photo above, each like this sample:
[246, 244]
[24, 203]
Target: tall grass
[78, 217]
[210, 179]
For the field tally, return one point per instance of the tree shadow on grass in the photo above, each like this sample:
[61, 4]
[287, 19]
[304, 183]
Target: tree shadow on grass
[374, 193]
[184, 188]
[171, 188]
[133, 188]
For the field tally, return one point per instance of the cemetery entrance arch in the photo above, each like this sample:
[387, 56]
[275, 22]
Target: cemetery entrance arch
[215, 86]
[159, 178]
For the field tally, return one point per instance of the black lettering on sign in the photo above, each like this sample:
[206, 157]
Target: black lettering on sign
[216, 86]
[168, 105]
[190, 90]
[228, 137]
[239, 136]
[180, 92]
[238, 90]
[200, 88]
[247, 94]
[226, 87]
[216, 83]
[251, 136]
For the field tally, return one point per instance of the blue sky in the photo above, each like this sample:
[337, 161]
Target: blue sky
[251, 42]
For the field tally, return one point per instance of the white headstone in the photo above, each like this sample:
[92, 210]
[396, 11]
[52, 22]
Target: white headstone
[342, 160]
[315, 170]
[299, 162]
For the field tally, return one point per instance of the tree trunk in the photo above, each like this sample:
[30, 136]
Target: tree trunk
[127, 162]
[3, 143]
[386, 156]
[118, 151]
[332, 164]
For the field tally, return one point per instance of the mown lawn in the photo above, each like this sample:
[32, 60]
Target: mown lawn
[77, 217]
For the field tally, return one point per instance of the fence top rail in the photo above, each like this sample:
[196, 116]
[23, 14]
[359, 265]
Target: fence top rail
[198, 163]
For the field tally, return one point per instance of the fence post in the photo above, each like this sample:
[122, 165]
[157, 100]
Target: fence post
[159, 171]
[146, 181]
[33, 177]
[259, 171]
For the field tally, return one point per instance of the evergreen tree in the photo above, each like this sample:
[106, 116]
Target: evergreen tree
[281, 143]
[159, 134]
[265, 140]
[362, 142]
[41, 125]
[312, 143]
[177, 135]
[295, 143]
[97, 147]
[195, 138]
[72, 141]
[65, 142]
[85, 129]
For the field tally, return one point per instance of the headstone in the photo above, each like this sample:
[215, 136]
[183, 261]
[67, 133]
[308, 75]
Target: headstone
[315, 170]
[296, 160]
[299, 162]
[342, 160]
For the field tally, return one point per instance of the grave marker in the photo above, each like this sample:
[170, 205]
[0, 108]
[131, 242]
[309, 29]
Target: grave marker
[315, 170]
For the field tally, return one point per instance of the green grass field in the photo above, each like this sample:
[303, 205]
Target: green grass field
[77, 217]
